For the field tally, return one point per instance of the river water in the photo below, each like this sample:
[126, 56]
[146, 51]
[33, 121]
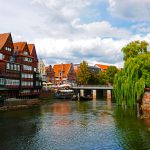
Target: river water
[72, 125]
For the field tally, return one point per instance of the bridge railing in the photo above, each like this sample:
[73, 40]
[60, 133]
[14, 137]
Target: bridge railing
[92, 86]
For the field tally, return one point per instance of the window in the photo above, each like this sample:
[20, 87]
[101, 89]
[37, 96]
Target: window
[7, 49]
[18, 67]
[15, 67]
[12, 82]
[27, 59]
[12, 67]
[26, 67]
[1, 56]
[35, 69]
[29, 76]
[2, 81]
[8, 65]
[25, 53]
[27, 83]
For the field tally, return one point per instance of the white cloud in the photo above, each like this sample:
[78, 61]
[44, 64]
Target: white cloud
[101, 29]
[91, 49]
[62, 34]
[135, 10]
[65, 9]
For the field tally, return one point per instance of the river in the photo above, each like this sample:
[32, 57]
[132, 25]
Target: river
[72, 125]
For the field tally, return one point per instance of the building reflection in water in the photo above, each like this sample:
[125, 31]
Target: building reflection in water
[62, 108]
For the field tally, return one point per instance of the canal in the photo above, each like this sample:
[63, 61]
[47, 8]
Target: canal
[72, 125]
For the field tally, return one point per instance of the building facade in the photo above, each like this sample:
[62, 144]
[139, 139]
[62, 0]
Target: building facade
[41, 69]
[18, 67]
[64, 73]
[50, 74]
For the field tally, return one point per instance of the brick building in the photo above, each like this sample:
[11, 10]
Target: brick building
[50, 74]
[19, 75]
[64, 73]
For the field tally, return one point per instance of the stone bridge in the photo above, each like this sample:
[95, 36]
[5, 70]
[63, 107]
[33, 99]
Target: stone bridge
[94, 89]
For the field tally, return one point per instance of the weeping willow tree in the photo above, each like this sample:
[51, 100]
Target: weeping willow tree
[131, 81]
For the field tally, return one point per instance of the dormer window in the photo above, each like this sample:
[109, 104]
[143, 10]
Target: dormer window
[25, 53]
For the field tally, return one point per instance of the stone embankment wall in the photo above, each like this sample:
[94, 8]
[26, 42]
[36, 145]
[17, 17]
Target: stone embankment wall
[13, 104]
[146, 104]
[46, 94]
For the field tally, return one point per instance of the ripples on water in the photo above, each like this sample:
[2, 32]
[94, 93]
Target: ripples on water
[70, 125]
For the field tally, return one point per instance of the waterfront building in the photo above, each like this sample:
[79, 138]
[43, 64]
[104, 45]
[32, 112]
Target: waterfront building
[50, 74]
[64, 73]
[18, 66]
[41, 68]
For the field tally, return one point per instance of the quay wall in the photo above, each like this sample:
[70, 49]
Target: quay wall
[146, 104]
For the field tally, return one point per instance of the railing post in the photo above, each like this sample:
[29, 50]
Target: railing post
[108, 94]
[94, 94]
[81, 92]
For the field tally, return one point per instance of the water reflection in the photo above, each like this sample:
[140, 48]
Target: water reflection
[130, 130]
[74, 125]
[17, 128]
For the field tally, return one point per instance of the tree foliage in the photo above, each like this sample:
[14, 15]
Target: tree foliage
[110, 73]
[134, 48]
[131, 81]
[84, 73]
[85, 76]
[103, 80]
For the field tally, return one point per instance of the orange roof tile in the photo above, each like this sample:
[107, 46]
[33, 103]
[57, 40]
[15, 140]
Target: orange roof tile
[103, 67]
[32, 50]
[19, 46]
[31, 47]
[61, 68]
[3, 39]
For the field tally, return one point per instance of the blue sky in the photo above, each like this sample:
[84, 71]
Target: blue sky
[69, 31]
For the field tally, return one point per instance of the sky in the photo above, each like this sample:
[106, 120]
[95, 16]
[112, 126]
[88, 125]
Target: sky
[70, 31]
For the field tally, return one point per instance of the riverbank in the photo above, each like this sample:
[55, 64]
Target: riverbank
[146, 104]
[13, 104]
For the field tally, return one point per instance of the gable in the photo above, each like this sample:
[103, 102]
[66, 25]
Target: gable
[32, 51]
[63, 68]
[6, 42]
[21, 48]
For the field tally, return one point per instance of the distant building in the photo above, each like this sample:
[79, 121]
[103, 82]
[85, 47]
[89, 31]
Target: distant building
[50, 74]
[93, 69]
[103, 68]
[64, 73]
[41, 69]
[76, 68]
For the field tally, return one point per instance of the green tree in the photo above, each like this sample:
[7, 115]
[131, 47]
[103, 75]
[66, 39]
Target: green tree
[134, 48]
[129, 83]
[84, 73]
[93, 80]
[103, 79]
[110, 73]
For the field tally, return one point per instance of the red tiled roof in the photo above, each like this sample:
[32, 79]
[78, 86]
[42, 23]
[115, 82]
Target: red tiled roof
[32, 50]
[19, 46]
[31, 47]
[3, 39]
[103, 67]
[61, 68]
